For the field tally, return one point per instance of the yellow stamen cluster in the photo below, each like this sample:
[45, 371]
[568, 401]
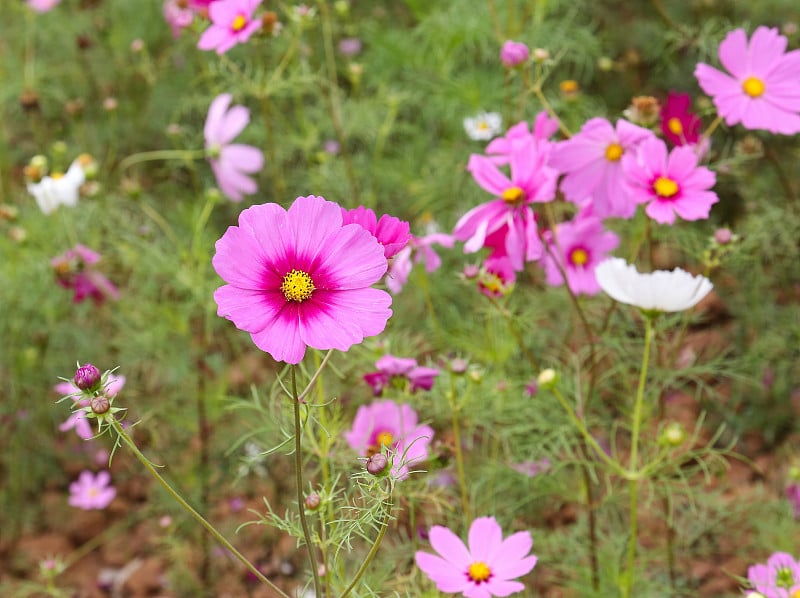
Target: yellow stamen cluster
[385, 439]
[754, 87]
[239, 23]
[665, 187]
[513, 195]
[479, 571]
[297, 286]
[614, 152]
[675, 126]
[578, 257]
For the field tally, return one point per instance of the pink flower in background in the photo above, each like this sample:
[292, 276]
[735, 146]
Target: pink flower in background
[401, 370]
[395, 427]
[671, 184]
[231, 162]
[350, 46]
[178, 16]
[793, 496]
[75, 269]
[544, 127]
[497, 277]
[514, 53]
[679, 126]
[779, 577]
[579, 246]
[392, 233]
[762, 90]
[231, 23]
[92, 492]
[419, 249]
[533, 468]
[484, 568]
[592, 163]
[77, 421]
[299, 278]
[42, 5]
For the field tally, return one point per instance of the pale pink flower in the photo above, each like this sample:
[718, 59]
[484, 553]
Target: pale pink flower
[232, 23]
[92, 492]
[578, 247]
[231, 162]
[671, 184]
[779, 577]
[544, 127]
[419, 249]
[392, 233]
[387, 425]
[178, 16]
[514, 53]
[486, 567]
[762, 90]
[42, 5]
[403, 371]
[592, 163]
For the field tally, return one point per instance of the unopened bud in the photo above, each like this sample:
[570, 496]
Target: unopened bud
[87, 377]
[723, 236]
[377, 463]
[100, 404]
[673, 434]
[313, 501]
[547, 378]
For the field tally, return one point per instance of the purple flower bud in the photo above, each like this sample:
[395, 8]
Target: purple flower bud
[313, 501]
[87, 377]
[377, 463]
[723, 236]
[514, 53]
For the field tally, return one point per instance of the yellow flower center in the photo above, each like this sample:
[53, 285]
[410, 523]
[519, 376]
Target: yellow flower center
[297, 286]
[93, 492]
[614, 152]
[513, 195]
[492, 283]
[674, 125]
[665, 187]
[795, 594]
[754, 87]
[479, 571]
[483, 125]
[56, 175]
[569, 86]
[385, 439]
[238, 23]
[578, 257]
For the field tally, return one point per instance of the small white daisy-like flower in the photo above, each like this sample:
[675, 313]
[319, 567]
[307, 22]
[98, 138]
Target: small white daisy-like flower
[661, 291]
[484, 126]
[56, 190]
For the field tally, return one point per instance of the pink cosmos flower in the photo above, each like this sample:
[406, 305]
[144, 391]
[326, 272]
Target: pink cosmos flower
[42, 5]
[514, 53]
[763, 88]
[231, 162]
[390, 232]
[544, 127]
[419, 249]
[679, 126]
[75, 269]
[485, 568]
[178, 16]
[579, 245]
[497, 277]
[591, 161]
[299, 278]
[403, 371]
[778, 578]
[92, 492]
[671, 183]
[231, 23]
[531, 180]
[385, 424]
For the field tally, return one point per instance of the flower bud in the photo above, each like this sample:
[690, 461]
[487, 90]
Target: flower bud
[100, 404]
[377, 463]
[547, 379]
[87, 377]
[313, 501]
[723, 236]
[514, 53]
[673, 434]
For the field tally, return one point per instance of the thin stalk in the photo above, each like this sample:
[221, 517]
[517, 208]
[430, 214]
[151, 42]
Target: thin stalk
[633, 465]
[204, 437]
[462, 479]
[122, 434]
[374, 550]
[515, 332]
[174, 154]
[590, 506]
[298, 470]
[324, 443]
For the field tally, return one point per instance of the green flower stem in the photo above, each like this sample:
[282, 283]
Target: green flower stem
[707, 133]
[374, 550]
[175, 154]
[635, 432]
[298, 470]
[122, 434]
[462, 479]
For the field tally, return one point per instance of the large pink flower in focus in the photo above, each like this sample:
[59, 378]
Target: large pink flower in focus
[578, 246]
[231, 23]
[390, 232]
[763, 88]
[591, 161]
[671, 183]
[485, 568]
[231, 162]
[385, 424]
[299, 278]
[531, 180]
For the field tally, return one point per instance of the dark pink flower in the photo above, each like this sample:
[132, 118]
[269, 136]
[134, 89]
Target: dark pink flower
[232, 23]
[390, 232]
[403, 371]
[669, 183]
[485, 568]
[514, 53]
[76, 269]
[231, 162]
[497, 277]
[92, 492]
[299, 278]
[679, 126]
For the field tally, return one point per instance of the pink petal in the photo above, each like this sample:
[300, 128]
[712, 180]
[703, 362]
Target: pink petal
[281, 338]
[232, 123]
[498, 587]
[367, 309]
[487, 175]
[212, 37]
[485, 537]
[733, 53]
[349, 259]
[450, 546]
[446, 577]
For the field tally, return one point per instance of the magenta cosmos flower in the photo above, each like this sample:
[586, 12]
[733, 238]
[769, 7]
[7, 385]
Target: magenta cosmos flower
[679, 126]
[231, 162]
[579, 246]
[402, 371]
[390, 232]
[671, 183]
[231, 23]
[762, 90]
[299, 278]
[75, 269]
[485, 568]
[385, 424]
[496, 277]
[591, 161]
[779, 577]
[514, 53]
[91, 491]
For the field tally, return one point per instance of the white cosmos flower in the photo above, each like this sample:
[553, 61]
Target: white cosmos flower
[484, 126]
[661, 290]
[54, 191]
